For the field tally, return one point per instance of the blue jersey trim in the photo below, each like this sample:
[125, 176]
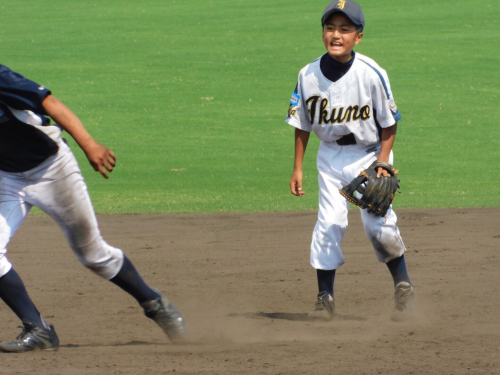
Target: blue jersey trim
[397, 116]
[381, 78]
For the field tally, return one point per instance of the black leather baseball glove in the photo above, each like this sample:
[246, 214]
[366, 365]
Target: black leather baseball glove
[377, 193]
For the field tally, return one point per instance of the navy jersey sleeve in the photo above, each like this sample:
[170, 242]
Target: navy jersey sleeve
[21, 93]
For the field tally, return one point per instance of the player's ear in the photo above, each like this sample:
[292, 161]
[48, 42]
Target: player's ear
[358, 38]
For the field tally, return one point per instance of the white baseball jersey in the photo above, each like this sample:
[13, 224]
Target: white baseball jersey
[360, 102]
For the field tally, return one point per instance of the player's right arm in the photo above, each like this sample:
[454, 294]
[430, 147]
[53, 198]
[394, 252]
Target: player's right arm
[298, 117]
[100, 157]
[301, 139]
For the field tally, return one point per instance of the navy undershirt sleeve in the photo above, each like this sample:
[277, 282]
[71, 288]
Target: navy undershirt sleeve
[332, 69]
[21, 93]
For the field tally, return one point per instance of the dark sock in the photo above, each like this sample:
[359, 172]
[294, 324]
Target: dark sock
[325, 281]
[398, 270]
[130, 281]
[14, 294]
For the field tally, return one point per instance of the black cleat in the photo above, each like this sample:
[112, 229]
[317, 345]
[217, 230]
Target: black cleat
[32, 338]
[404, 296]
[166, 316]
[324, 309]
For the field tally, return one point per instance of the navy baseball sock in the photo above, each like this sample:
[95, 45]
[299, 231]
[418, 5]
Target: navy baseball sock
[398, 270]
[130, 281]
[14, 294]
[325, 281]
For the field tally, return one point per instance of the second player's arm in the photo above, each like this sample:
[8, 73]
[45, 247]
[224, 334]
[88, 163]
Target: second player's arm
[301, 139]
[100, 157]
[388, 137]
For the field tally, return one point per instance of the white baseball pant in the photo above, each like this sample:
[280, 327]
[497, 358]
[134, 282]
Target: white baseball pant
[57, 187]
[337, 166]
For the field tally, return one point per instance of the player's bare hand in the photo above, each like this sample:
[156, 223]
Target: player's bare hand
[382, 172]
[101, 158]
[296, 184]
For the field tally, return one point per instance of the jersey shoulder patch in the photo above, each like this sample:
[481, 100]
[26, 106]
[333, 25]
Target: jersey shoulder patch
[294, 102]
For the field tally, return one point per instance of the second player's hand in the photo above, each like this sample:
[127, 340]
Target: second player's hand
[101, 158]
[296, 184]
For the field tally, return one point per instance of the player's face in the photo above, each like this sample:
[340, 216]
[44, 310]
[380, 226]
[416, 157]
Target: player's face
[340, 37]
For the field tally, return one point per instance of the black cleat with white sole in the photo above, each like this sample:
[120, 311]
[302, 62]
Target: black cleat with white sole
[164, 313]
[32, 338]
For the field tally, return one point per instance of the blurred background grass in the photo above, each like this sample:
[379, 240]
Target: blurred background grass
[192, 96]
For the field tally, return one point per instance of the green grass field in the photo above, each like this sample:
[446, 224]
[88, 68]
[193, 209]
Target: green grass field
[192, 95]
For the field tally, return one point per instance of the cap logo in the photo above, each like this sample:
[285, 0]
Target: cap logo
[341, 4]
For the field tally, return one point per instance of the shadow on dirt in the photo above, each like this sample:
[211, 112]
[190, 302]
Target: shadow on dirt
[295, 317]
[131, 343]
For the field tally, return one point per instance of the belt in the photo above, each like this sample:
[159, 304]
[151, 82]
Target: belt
[346, 140]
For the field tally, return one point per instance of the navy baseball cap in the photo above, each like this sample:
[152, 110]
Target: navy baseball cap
[351, 10]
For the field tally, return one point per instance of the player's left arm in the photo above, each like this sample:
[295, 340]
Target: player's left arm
[100, 157]
[388, 137]
[387, 116]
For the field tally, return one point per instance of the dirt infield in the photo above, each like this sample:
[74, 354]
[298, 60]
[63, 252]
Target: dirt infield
[244, 283]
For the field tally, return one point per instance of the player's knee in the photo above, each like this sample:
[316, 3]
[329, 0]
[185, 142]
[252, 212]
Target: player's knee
[5, 265]
[373, 233]
[375, 237]
[106, 263]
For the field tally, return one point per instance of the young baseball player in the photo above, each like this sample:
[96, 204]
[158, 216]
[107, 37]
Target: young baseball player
[346, 99]
[37, 168]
